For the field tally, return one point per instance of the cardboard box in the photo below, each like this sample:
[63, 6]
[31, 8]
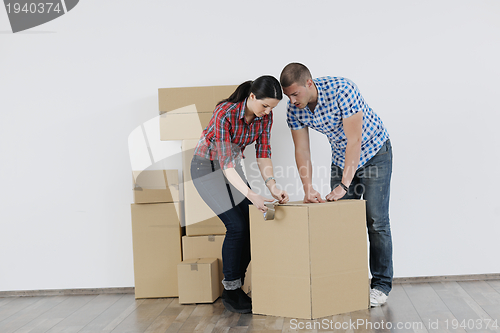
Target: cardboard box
[198, 280]
[211, 247]
[247, 286]
[205, 98]
[155, 186]
[199, 218]
[205, 247]
[183, 123]
[310, 261]
[156, 235]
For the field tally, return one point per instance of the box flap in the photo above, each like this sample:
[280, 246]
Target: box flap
[155, 179]
[184, 110]
[301, 204]
[339, 257]
[206, 260]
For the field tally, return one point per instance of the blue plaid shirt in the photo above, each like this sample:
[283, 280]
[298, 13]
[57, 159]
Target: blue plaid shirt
[339, 98]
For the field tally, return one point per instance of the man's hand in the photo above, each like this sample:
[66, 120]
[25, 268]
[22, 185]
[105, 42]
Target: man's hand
[336, 194]
[312, 196]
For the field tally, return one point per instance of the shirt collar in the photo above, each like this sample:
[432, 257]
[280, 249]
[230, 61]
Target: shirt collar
[321, 95]
[243, 106]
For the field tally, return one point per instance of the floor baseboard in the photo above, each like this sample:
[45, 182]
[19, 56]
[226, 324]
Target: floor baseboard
[131, 290]
[447, 278]
[67, 292]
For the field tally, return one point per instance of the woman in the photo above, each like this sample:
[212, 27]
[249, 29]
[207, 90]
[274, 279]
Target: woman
[241, 119]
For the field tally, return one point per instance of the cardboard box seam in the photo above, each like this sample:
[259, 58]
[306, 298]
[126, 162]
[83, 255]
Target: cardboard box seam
[310, 265]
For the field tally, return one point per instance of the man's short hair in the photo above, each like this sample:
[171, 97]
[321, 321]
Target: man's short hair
[294, 73]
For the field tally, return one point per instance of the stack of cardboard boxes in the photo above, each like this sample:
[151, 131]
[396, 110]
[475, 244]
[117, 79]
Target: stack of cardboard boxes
[156, 233]
[184, 113]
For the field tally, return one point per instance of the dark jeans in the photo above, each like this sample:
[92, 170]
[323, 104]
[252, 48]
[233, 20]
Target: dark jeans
[372, 181]
[231, 206]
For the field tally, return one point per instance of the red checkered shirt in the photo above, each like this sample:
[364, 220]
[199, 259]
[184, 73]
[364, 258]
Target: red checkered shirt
[228, 133]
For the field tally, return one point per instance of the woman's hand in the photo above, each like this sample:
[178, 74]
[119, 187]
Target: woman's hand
[279, 194]
[259, 201]
[266, 170]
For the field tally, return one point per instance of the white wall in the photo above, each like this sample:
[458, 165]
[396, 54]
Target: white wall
[72, 90]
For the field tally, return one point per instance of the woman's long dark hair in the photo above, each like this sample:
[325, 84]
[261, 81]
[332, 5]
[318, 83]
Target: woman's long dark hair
[264, 87]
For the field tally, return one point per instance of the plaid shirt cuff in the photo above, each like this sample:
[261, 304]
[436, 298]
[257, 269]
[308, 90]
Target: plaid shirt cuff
[263, 151]
[227, 162]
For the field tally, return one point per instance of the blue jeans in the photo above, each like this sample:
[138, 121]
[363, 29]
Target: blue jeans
[231, 206]
[372, 182]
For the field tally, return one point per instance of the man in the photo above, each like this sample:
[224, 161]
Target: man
[361, 157]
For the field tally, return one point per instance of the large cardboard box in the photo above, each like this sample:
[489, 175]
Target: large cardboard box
[311, 260]
[183, 123]
[156, 234]
[154, 186]
[198, 280]
[199, 218]
[205, 98]
[247, 286]
[210, 247]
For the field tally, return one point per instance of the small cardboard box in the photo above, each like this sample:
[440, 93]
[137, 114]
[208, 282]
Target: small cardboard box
[183, 123]
[205, 98]
[200, 220]
[210, 247]
[310, 261]
[155, 186]
[198, 280]
[195, 247]
[156, 235]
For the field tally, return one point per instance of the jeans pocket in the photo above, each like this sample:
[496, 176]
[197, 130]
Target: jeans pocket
[386, 147]
[200, 168]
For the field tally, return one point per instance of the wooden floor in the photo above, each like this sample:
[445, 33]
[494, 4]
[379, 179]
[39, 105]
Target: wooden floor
[472, 306]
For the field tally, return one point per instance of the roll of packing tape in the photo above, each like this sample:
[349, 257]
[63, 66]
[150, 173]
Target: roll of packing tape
[269, 215]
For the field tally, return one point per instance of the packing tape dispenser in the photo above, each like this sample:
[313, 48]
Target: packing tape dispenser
[269, 215]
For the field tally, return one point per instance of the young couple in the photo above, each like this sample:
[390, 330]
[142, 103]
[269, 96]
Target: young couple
[361, 165]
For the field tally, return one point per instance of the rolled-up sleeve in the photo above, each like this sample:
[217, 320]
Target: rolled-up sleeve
[349, 100]
[263, 143]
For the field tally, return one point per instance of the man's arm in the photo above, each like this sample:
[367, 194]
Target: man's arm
[353, 131]
[303, 160]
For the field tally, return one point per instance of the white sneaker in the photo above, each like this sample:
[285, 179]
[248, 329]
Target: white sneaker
[377, 297]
